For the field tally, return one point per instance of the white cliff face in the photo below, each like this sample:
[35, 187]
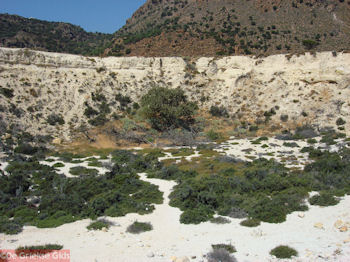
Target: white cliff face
[45, 83]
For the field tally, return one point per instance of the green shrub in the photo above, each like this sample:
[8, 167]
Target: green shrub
[340, 121]
[33, 250]
[309, 44]
[82, 171]
[54, 119]
[26, 149]
[323, 199]
[139, 227]
[228, 247]
[58, 164]
[99, 224]
[7, 92]
[213, 136]
[250, 222]
[10, 227]
[283, 252]
[220, 220]
[196, 216]
[218, 111]
[168, 108]
[290, 144]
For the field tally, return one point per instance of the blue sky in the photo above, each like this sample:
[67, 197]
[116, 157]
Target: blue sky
[104, 16]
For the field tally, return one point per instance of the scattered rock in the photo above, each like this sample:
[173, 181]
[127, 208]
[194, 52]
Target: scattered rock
[318, 225]
[338, 224]
[346, 240]
[343, 229]
[150, 254]
[193, 257]
[104, 229]
[182, 259]
[301, 215]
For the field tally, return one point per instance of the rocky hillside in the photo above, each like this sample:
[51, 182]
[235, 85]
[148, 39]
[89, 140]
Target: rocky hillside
[60, 94]
[226, 27]
[17, 31]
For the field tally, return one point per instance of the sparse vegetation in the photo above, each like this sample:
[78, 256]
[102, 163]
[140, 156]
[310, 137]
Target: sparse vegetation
[283, 252]
[250, 223]
[139, 227]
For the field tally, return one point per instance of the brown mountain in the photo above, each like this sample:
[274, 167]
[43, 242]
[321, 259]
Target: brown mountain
[226, 27]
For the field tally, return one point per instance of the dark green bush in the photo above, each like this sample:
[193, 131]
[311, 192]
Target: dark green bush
[168, 108]
[309, 44]
[6, 92]
[340, 121]
[250, 222]
[283, 252]
[220, 220]
[228, 247]
[54, 119]
[218, 111]
[139, 227]
[196, 216]
[323, 199]
[33, 250]
[99, 224]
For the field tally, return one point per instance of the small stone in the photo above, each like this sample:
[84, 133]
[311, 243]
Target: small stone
[346, 240]
[150, 254]
[343, 229]
[318, 225]
[173, 258]
[301, 215]
[193, 257]
[338, 224]
[104, 229]
[182, 259]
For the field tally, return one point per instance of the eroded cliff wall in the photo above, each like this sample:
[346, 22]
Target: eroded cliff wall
[308, 88]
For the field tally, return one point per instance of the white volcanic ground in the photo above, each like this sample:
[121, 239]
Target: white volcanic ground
[315, 234]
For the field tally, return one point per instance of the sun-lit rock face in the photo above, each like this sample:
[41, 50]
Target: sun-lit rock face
[308, 88]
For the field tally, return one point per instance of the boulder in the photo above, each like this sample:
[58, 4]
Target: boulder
[150, 254]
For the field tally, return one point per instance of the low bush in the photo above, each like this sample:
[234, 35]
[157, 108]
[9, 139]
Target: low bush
[304, 132]
[220, 255]
[10, 227]
[6, 92]
[99, 224]
[323, 199]
[290, 144]
[213, 136]
[196, 216]
[58, 164]
[228, 247]
[250, 222]
[283, 252]
[26, 149]
[218, 111]
[340, 121]
[82, 171]
[33, 250]
[220, 220]
[54, 119]
[139, 227]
